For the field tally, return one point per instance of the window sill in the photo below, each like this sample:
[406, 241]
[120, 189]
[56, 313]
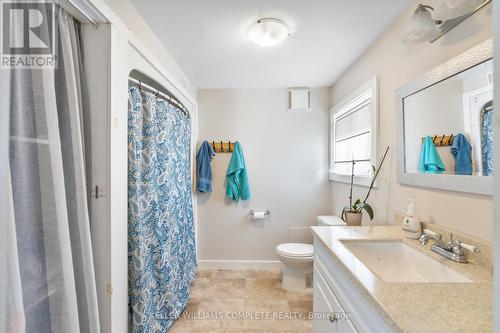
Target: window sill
[358, 180]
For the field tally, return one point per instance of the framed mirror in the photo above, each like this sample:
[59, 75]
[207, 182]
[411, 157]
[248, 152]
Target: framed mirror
[446, 125]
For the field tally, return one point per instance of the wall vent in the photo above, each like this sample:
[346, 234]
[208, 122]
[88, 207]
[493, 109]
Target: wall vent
[299, 99]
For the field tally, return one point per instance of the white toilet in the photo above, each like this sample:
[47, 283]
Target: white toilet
[298, 258]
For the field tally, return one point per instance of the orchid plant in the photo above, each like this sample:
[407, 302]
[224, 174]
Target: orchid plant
[358, 206]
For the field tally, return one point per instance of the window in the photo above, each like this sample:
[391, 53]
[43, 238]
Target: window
[353, 130]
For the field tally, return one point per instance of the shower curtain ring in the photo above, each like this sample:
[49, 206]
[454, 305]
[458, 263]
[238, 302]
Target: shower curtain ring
[140, 85]
[157, 93]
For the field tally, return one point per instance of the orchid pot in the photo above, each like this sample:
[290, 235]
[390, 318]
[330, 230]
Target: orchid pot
[353, 218]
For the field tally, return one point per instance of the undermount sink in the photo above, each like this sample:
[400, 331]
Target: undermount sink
[396, 261]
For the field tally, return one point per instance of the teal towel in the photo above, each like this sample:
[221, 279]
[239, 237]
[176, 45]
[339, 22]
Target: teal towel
[430, 161]
[236, 176]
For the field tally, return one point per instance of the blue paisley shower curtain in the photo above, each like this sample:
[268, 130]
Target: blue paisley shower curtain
[487, 124]
[161, 247]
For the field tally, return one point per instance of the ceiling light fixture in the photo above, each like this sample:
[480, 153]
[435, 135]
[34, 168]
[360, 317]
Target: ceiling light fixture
[427, 24]
[268, 32]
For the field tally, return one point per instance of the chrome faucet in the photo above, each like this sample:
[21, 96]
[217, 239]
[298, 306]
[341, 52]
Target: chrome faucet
[453, 250]
[427, 234]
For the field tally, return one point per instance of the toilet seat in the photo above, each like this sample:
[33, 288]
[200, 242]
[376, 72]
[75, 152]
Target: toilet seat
[296, 250]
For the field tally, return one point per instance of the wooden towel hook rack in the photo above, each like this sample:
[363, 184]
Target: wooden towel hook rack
[223, 147]
[441, 140]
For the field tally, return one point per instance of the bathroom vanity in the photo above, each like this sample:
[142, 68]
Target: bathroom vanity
[371, 279]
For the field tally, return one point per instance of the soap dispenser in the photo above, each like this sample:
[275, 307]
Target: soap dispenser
[411, 224]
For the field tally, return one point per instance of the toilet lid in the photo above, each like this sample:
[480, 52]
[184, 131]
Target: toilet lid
[296, 249]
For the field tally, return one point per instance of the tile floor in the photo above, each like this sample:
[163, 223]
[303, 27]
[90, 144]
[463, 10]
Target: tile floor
[233, 301]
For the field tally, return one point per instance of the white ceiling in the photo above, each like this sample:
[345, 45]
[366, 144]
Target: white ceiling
[208, 38]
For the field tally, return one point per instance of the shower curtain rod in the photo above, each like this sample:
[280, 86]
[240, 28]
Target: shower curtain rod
[157, 92]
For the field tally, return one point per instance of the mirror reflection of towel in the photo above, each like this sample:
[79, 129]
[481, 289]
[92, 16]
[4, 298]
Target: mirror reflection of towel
[461, 151]
[430, 161]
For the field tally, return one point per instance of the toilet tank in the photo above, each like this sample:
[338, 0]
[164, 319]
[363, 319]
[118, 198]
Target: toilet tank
[329, 220]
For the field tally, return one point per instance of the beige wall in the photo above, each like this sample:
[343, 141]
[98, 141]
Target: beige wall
[287, 159]
[396, 64]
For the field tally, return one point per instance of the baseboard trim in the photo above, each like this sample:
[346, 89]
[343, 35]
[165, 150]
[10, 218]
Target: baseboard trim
[240, 264]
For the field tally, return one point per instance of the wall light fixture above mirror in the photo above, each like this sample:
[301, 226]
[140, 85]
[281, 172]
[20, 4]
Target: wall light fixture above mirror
[427, 24]
[446, 125]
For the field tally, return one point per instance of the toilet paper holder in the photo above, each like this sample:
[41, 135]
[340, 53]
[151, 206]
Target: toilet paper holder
[267, 212]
